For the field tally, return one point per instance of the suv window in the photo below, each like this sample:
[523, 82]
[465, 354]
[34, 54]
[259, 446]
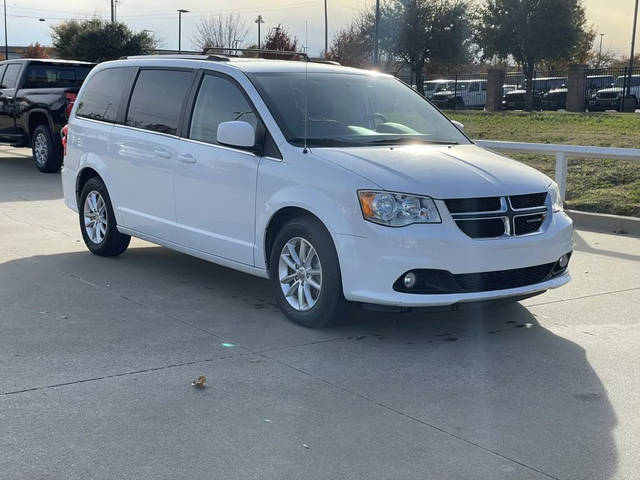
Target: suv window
[219, 100]
[474, 87]
[157, 100]
[42, 75]
[10, 79]
[101, 96]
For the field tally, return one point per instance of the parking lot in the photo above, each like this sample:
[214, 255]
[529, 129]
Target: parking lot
[97, 356]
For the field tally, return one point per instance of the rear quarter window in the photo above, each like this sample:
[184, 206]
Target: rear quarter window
[41, 75]
[102, 95]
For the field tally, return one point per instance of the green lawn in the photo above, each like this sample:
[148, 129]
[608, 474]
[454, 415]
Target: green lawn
[605, 186]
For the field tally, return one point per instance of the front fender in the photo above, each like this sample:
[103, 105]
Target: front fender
[336, 214]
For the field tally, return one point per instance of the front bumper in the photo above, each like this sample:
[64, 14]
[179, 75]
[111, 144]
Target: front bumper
[370, 265]
[604, 104]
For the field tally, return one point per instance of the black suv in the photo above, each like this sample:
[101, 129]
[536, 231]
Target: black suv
[556, 99]
[35, 101]
[515, 99]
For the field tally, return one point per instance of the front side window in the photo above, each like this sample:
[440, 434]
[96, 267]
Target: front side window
[219, 100]
[10, 79]
[474, 87]
[101, 97]
[157, 100]
[351, 109]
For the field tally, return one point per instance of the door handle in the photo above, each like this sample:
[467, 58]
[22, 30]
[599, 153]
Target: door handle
[162, 153]
[187, 158]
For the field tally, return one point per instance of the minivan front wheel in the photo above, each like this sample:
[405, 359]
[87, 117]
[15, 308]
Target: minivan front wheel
[98, 222]
[305, 274]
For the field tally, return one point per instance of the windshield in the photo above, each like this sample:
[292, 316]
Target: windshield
[347, 109]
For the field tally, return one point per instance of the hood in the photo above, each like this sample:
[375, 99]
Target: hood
[439, 171]
[516, 92]
[557, 91]
[443, 93]
[611, 90]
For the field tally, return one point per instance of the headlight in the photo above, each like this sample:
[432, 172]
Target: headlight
[556, 198]
[397, 209]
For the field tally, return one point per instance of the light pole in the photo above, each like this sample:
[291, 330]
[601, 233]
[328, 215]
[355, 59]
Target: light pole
[180, 12]
[600, 52]
[326, 28]
[6, 44]
[633, 46]
[259, 21]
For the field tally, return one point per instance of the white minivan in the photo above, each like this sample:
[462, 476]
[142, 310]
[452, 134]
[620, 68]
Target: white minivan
[339, 185]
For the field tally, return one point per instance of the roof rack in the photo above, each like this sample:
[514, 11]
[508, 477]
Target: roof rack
[223, 56]
[255, 51]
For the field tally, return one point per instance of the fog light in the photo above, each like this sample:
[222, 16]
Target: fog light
[562, 263]
[410, 280]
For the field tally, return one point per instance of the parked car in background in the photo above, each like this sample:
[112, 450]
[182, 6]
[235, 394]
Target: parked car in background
[508, 88]
[610, 98]
[515, 100]
[468, 94]
[35, 100]
[218, 158]
[556, 99]
[433, 86]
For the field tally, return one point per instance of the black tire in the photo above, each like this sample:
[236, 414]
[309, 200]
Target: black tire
[113, 242]
[330, 303]
[47, 151]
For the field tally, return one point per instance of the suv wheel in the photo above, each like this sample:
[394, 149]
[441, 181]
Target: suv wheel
[97, 221]
[47, 154]
[305, 274]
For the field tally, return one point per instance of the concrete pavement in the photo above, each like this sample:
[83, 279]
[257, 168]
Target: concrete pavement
[97, 356]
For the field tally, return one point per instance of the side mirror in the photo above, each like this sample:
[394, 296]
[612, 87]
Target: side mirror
[459, 126]
[237, 134]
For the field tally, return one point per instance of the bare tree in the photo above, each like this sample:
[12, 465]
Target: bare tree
[222, 31]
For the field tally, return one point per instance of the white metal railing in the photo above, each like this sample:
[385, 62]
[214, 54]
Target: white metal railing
[562, 153]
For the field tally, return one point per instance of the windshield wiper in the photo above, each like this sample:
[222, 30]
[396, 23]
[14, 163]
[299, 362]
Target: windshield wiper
[403, 140]
[322, 142]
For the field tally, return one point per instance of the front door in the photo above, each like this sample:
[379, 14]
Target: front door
[8, 87]
[215, 185]
[143, 152]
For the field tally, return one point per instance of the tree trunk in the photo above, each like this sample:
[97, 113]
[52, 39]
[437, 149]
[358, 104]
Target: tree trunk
[528, 98]
[418, 73]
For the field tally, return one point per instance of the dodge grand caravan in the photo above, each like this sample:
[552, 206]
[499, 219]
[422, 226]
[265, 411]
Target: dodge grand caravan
[337, 184]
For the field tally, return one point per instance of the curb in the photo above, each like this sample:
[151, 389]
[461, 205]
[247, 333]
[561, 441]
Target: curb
[605, 222]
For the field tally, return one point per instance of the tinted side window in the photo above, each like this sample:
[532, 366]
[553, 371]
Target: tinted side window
[10, 79]
[157, 99]
[42, 75]
[101, 97]
[219, 100]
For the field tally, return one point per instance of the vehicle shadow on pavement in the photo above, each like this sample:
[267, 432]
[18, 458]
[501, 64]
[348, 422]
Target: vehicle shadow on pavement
[582, 245]
[495, 379]
[20, 180]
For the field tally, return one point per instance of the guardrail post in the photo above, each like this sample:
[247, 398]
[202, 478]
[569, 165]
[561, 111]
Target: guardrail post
[561, 173]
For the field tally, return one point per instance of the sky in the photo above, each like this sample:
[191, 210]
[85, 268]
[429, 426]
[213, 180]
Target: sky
[303, 18]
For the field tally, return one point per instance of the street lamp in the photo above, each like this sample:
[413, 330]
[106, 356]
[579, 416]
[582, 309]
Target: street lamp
[180, 12]
[259, 21]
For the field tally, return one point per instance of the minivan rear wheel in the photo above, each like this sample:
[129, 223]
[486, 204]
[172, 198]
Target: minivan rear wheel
[305, 274]
[98, 222]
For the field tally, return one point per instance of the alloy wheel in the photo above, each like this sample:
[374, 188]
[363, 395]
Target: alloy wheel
[40, 149]
[300, 274]
[95, 217]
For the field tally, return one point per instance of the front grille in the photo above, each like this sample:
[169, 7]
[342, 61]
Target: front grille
[491, 217]
[528, 223]
[482, 228]
[607, 95]
[528, 201]
[464, 205]
[430, 281]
